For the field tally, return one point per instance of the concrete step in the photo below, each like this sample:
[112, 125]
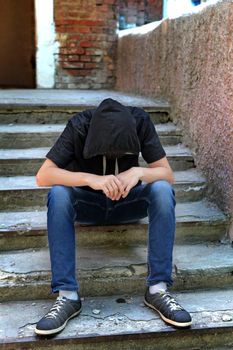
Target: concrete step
[57, 106]
[22, 191]
[196, 222]
[108, 270]
[28, 161]
[124, 323]
[38, 135]
[55, 114]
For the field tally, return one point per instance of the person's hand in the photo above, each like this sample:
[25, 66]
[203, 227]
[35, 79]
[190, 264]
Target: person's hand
[129, 179]
[109, 184]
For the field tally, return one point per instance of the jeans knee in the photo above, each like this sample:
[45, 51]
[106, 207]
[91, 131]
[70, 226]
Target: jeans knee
[163, 192]
[60, 195]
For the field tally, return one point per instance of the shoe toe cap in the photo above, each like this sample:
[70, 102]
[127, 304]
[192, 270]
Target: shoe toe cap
[183, 316]
[45, 325]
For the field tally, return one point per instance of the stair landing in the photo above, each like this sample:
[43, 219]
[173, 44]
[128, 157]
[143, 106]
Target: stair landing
[84, 98]
[123, 322]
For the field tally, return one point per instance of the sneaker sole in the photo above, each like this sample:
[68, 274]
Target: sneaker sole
[56, 330]
[174, 323]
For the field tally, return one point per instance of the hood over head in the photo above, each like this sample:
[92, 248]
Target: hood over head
[112, 131]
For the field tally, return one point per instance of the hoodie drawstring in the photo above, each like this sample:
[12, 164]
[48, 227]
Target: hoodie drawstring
[116, 170]
[104, 165]
[116, 167]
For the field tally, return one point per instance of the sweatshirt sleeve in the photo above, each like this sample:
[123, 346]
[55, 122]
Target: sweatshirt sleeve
[151, 147]
[62, 152]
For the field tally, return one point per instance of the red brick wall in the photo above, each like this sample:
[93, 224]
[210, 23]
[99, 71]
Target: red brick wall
[86, 32]
[139, 12]
[154, 10]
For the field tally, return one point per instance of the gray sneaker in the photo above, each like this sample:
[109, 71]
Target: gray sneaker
[58, 316]
[168, 308]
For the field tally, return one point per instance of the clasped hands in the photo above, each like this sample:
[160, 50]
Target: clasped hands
[117, 186]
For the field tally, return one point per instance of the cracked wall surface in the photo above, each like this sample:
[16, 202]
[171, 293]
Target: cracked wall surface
[189, 61]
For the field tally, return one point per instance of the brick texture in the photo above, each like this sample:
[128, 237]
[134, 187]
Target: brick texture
[136, 13]
[86, 32]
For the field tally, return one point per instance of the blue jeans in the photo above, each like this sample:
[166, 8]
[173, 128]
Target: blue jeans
[69, 204]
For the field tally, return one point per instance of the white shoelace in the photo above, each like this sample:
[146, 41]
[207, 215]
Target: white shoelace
[171, 302]
[55, 308]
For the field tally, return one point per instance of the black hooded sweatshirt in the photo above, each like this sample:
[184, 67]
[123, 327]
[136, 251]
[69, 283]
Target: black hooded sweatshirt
[107, 140]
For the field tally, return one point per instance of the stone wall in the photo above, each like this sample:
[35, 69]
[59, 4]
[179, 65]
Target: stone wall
[86, 33]
[189, 61]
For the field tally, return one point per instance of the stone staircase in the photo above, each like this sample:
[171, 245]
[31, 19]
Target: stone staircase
[112, 259]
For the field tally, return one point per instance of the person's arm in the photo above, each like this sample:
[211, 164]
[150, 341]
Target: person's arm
[159, 170]
[152, 152]
[50, 174]
[52, 171]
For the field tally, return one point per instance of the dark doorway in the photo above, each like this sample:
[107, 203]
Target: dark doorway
[17, 44]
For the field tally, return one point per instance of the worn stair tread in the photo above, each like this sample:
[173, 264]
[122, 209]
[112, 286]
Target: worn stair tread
[107, 270]
[8, 183]
[67, 98]
[22, 191]
[31, 128]
[187, 257]
[196, 222]
[28, 161]
[24, 136]
[40, 152]
[128, 320]
[162, 129]
[201, 211]
[168, 129]
[86, 98]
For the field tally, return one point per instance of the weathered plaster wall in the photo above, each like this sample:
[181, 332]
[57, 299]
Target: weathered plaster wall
[46, 44]
[189, 61]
